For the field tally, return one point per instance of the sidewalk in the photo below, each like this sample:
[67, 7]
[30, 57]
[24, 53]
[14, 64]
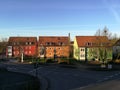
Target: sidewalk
[109, 85]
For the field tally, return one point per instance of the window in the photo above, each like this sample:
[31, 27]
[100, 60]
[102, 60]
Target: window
[61, 43]
[9, 47]
[14, 43]
[94, 44]
[29, 52]
[26, 52]
[32, 43]
[88, 44]
[17, 43]
[47, 43]
[26, 43]
[82, 55]
[9, 50]
[52, 43]
[29, 43]
[82, 49]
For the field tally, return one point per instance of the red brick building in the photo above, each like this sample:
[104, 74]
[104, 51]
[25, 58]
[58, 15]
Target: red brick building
[25, 45]
[50, 46]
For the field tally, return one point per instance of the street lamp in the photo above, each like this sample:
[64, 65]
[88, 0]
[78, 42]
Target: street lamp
[21, 51]
[22, 57]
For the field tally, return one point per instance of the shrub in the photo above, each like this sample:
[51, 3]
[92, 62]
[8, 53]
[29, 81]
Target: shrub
[117, 61]
[94, 62]
[49, 60]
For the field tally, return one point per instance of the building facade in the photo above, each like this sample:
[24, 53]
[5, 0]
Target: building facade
[91, 47]
[22, 45]
[53, 46]
[116, 50]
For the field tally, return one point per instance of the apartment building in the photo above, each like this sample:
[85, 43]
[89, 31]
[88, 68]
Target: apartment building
[22, 45]
[53, 46]
[88, 47]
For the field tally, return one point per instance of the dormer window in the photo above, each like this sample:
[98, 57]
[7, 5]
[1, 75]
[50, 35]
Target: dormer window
[47, 43]
[26, 43]
[61, 43]
[17, 43]
[29, 43]
[50, 43]
[88, 44]
[14, 43]
[32, 43]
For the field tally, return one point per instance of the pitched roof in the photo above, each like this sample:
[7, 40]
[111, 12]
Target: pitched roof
[117, 43]
[93, 40]
[23, 39]
[56, 40]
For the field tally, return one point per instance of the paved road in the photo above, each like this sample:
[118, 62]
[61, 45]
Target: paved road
[58, 78]
[108, 85]
[67, 79]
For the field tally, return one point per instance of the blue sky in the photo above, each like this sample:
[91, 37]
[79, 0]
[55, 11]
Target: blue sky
[58, 17]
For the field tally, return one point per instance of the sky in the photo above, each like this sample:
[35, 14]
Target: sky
[58, 17]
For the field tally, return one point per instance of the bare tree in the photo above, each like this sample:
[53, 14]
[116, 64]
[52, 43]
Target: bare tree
[104, 32]
[102, 44]
[98, 32]
[3, 45]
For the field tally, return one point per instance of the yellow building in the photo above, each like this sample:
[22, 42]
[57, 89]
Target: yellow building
[87, 47]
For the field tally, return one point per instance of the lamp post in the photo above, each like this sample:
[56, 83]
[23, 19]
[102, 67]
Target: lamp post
[22, 57]
[21, 50]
